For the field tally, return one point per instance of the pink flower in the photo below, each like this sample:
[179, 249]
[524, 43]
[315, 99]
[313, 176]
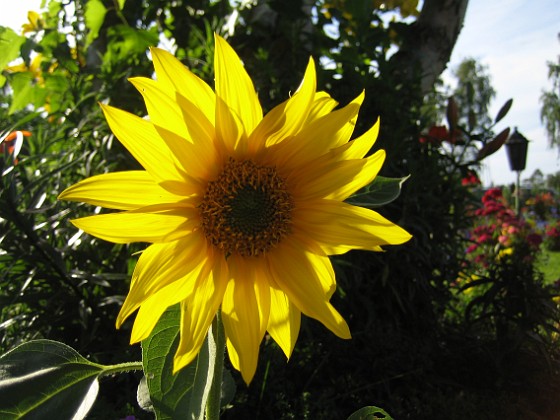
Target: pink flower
[471, 248]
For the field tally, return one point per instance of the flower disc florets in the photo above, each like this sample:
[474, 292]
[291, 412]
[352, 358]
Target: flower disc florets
[247, 209]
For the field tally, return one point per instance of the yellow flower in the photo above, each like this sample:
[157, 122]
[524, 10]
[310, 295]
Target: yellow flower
[34, 68]
[242, 209]
[35, 23]
[504, 253]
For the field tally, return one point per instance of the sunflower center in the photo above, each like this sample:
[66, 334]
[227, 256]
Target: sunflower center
[247, 209]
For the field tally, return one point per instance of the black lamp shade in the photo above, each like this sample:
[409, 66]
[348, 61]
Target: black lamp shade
[516, 148]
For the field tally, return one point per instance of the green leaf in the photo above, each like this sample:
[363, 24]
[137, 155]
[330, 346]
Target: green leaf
[25, 91]
[370, 413]
[47, 379]
[125, 41]
[179, 395]
[381, 191]
[121, 4]
[10, 44]
[94, 17]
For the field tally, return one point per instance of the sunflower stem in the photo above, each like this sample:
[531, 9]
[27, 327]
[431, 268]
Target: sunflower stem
[216, 346]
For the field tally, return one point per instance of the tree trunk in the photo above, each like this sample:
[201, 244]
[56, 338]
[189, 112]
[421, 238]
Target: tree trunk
[428, 43]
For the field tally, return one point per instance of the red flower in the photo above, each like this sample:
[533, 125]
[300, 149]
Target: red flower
[439, 133]
[471, 179]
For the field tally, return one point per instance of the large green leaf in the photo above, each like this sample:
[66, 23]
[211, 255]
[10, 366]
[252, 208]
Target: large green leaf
[380, 192]
[46, 379]
[94, 17]
[25, 91]
[179, 395]
[185, 393]
[10, 44]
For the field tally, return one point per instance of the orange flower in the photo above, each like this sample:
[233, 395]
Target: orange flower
[11, 143]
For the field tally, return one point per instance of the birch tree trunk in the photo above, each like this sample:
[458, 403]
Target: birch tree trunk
[427, 47]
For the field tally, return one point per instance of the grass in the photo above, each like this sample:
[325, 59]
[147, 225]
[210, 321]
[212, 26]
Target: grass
[549, 265]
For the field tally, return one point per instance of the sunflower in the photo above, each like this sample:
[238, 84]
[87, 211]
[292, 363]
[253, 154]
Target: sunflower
[242, 210]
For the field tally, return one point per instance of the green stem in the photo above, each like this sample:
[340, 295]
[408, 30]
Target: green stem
[216, 345]
[121, 368]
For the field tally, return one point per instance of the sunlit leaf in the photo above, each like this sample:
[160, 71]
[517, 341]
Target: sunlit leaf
[380, 192]
[370, 413]
[10, 44]
[94, 17]
[25, 92]
[47, 379]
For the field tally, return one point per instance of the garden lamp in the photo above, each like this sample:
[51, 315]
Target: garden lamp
[516, 148]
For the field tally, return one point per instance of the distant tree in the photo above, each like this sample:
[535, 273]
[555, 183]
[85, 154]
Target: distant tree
[536, 181]
[550, 104]
[473, 94]
[553, 181]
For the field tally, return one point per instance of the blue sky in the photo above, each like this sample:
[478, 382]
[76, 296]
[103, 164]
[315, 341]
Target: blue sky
[514, 38]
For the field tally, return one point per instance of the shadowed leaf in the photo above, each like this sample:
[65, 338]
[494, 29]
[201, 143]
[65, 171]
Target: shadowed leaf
[493, 145]
[503, 110]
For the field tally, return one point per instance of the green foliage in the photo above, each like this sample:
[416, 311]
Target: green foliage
[474, 92]
[550, 104]
[10, 44]
[94, 17]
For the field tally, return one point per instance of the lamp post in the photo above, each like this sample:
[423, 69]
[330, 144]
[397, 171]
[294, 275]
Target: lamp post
[516, 148]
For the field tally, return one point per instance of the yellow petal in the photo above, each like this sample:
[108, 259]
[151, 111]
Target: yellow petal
[230, 132]
[319, 137]
[336, 180]
[146, 224]
[245, 310]
[120, 190]
[170, 121]
[321, 106]
[198, 310]
[149, 314]
[162, 108]
[233, 356]
[289, 264]
[173, 75]
[234, 86]
[339, 227]
[203, 134]
[162, 264]
[288, 118]
[153, 308]
[363, 144]
[144, 143]
[284, 320]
